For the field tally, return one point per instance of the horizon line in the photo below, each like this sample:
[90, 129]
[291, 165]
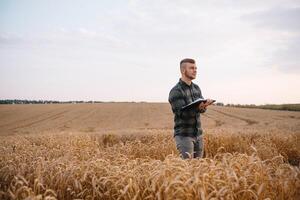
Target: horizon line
[112, 101]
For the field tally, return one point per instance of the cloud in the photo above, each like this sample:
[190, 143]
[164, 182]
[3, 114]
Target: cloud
[278, 18]
[62, 37]
[288, 59]
[140, 41]
[280, 29]
[11, 38]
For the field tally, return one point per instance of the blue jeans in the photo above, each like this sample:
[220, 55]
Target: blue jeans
[189, 146]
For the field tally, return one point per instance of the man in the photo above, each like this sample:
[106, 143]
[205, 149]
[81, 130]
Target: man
[187, 127]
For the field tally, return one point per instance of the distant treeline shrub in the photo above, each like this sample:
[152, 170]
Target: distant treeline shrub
[289, 107]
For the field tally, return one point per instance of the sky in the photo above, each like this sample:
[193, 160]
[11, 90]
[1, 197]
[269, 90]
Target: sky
[246, 52]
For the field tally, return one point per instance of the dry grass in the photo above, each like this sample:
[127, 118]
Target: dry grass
[147, 166]
[126, 151]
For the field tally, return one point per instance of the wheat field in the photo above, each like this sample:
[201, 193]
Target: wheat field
[127, 151]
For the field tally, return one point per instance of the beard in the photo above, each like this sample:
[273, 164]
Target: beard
[191, 77]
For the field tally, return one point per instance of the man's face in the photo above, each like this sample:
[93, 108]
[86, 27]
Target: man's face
[190, 70]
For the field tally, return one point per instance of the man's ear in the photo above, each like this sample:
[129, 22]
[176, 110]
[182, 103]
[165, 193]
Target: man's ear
[182, 69]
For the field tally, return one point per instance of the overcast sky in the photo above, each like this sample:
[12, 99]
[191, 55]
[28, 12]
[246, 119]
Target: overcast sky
[246, 51]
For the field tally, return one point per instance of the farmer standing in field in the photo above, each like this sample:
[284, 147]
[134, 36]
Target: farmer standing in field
[187, 127]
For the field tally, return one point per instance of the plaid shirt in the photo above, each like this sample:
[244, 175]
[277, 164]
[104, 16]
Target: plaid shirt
[187, 122]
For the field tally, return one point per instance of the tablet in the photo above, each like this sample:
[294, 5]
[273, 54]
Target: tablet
[195, 103]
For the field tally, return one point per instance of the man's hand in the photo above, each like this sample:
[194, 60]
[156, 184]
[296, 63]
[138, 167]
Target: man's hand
[207, 103]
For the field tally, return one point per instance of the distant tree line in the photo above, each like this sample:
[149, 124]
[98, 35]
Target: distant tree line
[18, 101]
[290, 107]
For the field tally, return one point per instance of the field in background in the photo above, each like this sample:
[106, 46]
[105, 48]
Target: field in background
[126, 151]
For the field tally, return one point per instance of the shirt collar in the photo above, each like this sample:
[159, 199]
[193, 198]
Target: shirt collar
[184, 83]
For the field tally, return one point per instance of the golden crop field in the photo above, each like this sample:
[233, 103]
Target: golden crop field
[127, 151]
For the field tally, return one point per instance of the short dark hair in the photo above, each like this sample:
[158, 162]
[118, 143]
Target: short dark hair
[186, 60]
